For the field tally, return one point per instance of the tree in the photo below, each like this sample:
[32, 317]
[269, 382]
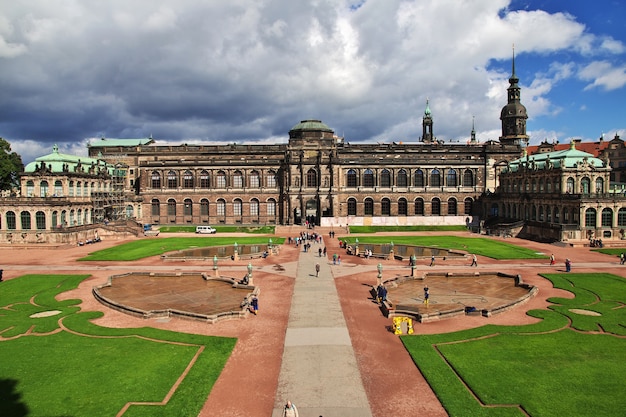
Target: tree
[10, 166]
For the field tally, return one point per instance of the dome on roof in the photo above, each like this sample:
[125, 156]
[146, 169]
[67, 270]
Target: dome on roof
[312, 125]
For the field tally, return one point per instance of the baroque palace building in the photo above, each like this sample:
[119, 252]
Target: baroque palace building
[316, 177]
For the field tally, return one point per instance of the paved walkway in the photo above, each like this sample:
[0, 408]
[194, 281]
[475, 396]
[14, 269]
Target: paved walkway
[319, 372]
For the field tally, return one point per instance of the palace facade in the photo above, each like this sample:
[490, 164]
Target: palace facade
[316, 177]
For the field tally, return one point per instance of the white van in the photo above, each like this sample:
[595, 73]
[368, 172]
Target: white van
[205, 229]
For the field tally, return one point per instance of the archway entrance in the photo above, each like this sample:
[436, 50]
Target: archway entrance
[311, 211]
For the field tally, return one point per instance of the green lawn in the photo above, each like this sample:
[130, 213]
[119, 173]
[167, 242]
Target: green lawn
[220, 229]
[494, 249]
[63, 365]
[144, 248]
[568, 364]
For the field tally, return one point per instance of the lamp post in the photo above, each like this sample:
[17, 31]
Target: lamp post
[413, 262]
[380, 273]
[249, 273]
[215, 271]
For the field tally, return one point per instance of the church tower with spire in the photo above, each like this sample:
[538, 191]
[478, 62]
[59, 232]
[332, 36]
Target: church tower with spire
[513, 115]
[427, 125]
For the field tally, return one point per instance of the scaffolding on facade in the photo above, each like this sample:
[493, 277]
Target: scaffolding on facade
[109, 205]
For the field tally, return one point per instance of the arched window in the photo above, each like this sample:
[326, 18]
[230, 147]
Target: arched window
[600, 185]
[58, 188]
[204, 179]
[86, 189]
[221, 179]
[385, 178]
[533, 213]
[419, 178]
[237, 179]
[79, 217]
[188, 207]
[548, 214]
[419, 206]
[55, 219]
[155, 207]
[156, 180]
[271, 208]
[351, 178]
[238, 209]
[435, 178]
[585, 185]
[467, 206]
[451, 178]
[534, 185]
[171, 207]
[72, 218]
[541, 213]
[79, 189]
[590, 217]
[607, 217]
[368, 207]
[351, 207]
[64, 218]
[43, 189]
[172, 180]
[204, 207]
[468, 178]
[402, 207]
[368, 178]
[452, 206]
[402, 179]
[187, 179]
[271, 179]
[570, 185]
[255, 179]
[254, 209]
[25, 220]
[557, 185]
[385, 207]
[129, 211]
[621, 217]
[40, 220]
[556, 216]
[30, 188]
[221, 208]
[435, 204]
[548, 186]
[11, 223]
[311, 178]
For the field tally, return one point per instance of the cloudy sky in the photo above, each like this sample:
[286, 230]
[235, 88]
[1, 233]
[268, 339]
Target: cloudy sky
[247, 71]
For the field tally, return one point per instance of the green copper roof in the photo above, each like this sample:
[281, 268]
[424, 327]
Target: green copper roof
[56, 162]
[312, 125]
[427, 110]
[568, 158]
[102, 142]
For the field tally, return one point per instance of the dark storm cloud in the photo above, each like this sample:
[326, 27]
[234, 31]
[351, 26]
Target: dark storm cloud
[248, 71]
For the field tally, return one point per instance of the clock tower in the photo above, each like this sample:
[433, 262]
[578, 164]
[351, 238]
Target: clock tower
[513, 115]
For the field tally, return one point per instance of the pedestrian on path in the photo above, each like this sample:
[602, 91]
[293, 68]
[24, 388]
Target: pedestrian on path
[432, 260]
[552, 260]
[334, 259]
[426, 296]
[254, 304]
[317, 269]
[474, 261]
[622, 259]
[290, 410]
[568, 265]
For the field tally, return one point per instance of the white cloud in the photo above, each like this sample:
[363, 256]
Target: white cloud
[603, 75]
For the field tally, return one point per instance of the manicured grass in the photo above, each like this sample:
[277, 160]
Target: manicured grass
[480, 246]
[144, 248]
[89, 370]
[220, 229]
[552, 368]
[382, 229]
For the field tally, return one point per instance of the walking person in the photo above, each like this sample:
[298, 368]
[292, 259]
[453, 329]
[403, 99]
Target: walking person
[334, 259]
[474, 260]
[552, 260]
[432, 260]
[622, 259]
[568, 265]
[317, 269]
[290, 410]
[426, 296]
